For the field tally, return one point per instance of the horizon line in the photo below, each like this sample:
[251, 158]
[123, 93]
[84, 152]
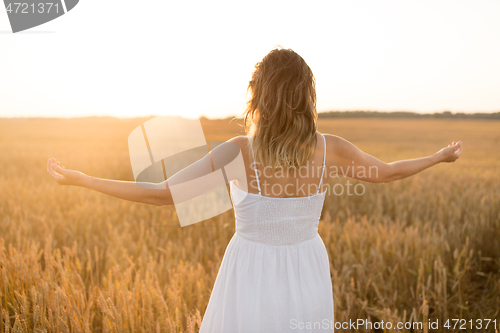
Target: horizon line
[445, 112]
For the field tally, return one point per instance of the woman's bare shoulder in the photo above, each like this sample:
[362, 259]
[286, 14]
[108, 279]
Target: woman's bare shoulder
[336, 142]
[338, 147]
[240, 140]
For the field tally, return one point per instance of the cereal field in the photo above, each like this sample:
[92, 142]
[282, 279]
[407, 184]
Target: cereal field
[73, 260]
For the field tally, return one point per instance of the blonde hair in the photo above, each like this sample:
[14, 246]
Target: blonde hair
[281, 114]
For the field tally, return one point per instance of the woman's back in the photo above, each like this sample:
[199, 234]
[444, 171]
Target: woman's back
[278, 220]
[281, 183]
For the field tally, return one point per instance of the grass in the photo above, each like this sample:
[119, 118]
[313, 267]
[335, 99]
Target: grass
[72, 260]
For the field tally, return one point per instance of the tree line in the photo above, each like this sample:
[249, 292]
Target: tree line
[407, 114]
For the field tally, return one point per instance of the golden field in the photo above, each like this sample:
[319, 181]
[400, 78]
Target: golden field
[74, 260]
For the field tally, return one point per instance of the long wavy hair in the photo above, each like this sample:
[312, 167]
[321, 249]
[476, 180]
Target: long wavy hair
[281, 116]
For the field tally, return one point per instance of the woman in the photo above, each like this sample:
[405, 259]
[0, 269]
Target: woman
[275, 274]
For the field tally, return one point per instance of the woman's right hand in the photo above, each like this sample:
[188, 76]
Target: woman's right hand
[63, 176]
[452, 152]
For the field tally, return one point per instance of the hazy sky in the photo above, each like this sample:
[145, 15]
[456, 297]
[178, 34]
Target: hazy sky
[124, 58]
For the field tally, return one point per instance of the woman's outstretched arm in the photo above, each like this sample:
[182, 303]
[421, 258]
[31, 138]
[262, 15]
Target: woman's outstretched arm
[225, 156]
[355, 163]
[148, 193]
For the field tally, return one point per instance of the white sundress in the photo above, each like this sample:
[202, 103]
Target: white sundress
[275, 273]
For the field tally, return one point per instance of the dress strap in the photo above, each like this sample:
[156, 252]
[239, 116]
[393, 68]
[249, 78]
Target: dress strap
[254, 165]
[324, 159]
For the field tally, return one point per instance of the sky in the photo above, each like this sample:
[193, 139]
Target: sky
[135, 59]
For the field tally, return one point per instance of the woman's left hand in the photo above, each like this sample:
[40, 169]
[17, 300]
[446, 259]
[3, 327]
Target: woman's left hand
[452, 152]
[63, 176]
